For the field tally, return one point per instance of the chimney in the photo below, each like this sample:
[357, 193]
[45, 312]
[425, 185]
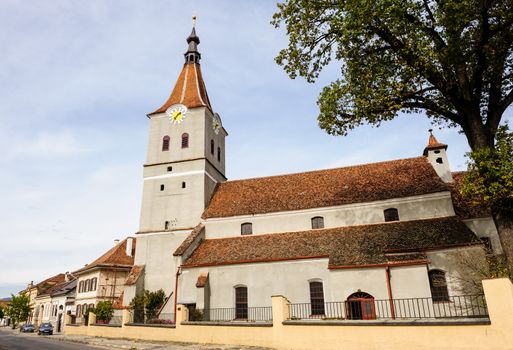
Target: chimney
[67, 276]
[129, 245]
[116, 241]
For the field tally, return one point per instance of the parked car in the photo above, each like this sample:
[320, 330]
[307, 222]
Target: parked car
[28, 327]
[45, 328]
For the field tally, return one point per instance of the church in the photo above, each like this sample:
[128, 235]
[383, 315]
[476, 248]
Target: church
[389, 230]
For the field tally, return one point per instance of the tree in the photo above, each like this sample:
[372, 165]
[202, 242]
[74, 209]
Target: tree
[19, 309]
[1, 313]
[452, 59]
[148, 303]
[489, 182]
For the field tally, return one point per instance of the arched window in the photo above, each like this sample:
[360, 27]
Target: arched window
[212, 147]
[317, 222]
[218, 154]
[185, 140]
[317, 298]
[93, 283]
[84, 309]
[360, 306]
[81, 287]
[78, 311]
[165, 143]
[241, 303]
[87, 285]
[438, 284]
[246, 228]
[391, 214]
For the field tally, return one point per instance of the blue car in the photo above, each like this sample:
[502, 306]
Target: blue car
[28, 327]
[45, 328]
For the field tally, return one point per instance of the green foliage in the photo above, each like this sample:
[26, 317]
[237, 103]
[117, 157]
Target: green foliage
[2, 313]
[195, 314]
[19, 308]
[452, 59]
[489, 180]
[103, 310]
[150, 302]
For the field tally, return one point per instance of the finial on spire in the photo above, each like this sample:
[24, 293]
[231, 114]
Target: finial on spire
[431, 131]
[194, 21]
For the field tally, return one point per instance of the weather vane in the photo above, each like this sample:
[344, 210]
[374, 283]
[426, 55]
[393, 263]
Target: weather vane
[194, 21]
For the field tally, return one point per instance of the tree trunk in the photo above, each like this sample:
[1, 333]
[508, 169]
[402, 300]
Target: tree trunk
[504, 224]
[478, 135]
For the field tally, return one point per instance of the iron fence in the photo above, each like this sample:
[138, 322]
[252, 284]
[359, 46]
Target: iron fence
[140, 316]
[461, 306]
[249, 314]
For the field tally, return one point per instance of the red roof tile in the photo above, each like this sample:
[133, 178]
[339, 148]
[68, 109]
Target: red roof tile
[344, 246]
[189, 240]
[189, 90]
[116, 256]
[134, 274]
[463, 206]
[433, 144]
[323, 188]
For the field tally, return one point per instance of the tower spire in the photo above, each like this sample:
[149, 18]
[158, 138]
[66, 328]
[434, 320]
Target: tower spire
[192, 55]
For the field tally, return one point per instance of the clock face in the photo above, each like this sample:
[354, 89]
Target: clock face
[216, 123]
[176, 113]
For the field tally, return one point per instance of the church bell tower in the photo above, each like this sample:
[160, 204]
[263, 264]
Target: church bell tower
[184, 163]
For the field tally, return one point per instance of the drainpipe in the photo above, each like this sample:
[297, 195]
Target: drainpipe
[178, 273]
[390, 297]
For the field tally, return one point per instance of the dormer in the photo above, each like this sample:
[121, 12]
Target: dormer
[437, 156]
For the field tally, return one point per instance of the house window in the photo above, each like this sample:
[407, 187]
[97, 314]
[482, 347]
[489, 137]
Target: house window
[212, 147]
[241, 303]
[165, 143]
[81, 287]
[88, 285]
[79, 309]
[162, 187]
[246, 228]
[93, 283]
[185, 140]
[360, 306]
[317, 222]
[438, 284]
[317, 298]
[218, 154]
[391, 214]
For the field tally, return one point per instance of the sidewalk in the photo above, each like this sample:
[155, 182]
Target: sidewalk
[133, 344]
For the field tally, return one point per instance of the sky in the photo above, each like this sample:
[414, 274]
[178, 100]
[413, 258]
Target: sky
[77, 79]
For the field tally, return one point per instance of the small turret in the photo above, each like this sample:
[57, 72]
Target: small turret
[437, 156]
[192, 55]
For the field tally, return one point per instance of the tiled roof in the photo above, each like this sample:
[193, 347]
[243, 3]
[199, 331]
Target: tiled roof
[51, 284]
[134, 274]
[344, 246]
[463, 206]
[323, 188]
[116, 256]
[189, 90]
[188, 241]
[65, 287]
[202, 280]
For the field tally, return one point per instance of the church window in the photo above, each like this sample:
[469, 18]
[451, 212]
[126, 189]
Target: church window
[169, 168]
[166, 225]
[93, 283]
[218, 154]
[391, 214]
[241, 303]
[317, 222]
[439, 160]
[317, 298]
[212, 147]
[184, 184]
[162, 187]
[185, 140]
[165, 143]
[246, 228]
[438, 284]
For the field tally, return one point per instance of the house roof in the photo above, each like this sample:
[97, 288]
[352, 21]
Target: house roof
[134, 275]
[50, 285]
[463, 207]
[323, 188]
[189, 240]
[64, 287]
[344, 246]
[116, 256]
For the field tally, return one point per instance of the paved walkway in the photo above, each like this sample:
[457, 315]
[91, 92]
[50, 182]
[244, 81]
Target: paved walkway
[133, 344]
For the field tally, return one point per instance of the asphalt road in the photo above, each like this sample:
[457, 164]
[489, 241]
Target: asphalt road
[14, 341]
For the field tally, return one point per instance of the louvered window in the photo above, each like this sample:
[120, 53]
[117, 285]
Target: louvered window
[185, 140]
[165, 143]
[317, 222]
[246, 228]
[391, 214]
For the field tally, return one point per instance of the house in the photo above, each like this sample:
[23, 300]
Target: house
[380, 231]
[104, 278]
[63, 299]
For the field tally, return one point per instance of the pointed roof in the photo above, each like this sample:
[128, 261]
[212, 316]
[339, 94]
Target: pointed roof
[433, 143]
[116, 256]
[190, 89]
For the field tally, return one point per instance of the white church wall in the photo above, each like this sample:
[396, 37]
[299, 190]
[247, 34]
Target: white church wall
[485, 227]
[291, 278]
[410, 208]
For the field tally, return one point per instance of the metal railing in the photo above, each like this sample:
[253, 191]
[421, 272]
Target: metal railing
[142, 317]
[250, 314]
[461, 306]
